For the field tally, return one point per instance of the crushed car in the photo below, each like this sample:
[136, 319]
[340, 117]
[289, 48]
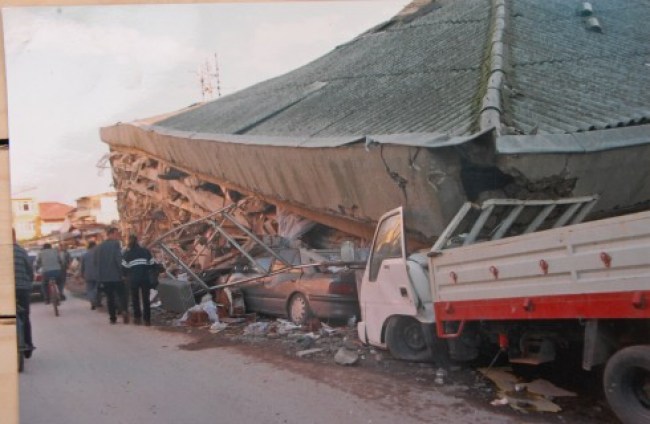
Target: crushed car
[300, 290]
[272, 275]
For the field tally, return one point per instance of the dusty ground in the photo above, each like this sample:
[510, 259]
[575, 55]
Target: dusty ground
[462, 382]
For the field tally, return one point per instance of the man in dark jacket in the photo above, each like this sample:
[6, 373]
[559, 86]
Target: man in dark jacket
[65, 259]
[24, 276]
[89, 274]
[138, 264]
[108, 266]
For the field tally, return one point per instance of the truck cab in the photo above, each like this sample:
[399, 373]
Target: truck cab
[395, 295]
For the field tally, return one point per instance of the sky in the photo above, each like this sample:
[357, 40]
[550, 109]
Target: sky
[72, 70]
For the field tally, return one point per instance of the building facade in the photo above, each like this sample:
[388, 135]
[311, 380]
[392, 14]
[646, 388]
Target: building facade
[25, 218]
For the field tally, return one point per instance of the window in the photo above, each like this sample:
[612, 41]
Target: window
[26, 206]
[388, 243]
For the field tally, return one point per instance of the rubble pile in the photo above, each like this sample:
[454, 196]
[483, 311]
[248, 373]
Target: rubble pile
[157, 201]
[154, 198]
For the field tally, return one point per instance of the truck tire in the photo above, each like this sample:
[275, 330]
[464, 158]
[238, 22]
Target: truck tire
[627, 384]
[405, 340]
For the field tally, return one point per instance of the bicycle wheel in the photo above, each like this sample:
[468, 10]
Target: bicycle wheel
[54, 296]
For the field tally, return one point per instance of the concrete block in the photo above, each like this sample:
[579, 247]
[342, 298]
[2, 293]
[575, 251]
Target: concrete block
[175, 295]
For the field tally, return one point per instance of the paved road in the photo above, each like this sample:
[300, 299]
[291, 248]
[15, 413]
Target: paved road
[87, 371]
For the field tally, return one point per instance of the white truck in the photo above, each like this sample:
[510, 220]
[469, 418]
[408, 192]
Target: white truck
[523, 278]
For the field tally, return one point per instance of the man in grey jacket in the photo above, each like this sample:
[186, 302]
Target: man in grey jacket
[108, 268]
[50, 263]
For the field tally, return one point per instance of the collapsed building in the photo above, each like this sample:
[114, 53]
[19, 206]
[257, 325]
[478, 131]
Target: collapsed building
[447, 102]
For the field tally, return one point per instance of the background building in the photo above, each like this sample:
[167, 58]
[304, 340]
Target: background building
[54, 221]
[95, 209]
[25, 218]
[52, 217]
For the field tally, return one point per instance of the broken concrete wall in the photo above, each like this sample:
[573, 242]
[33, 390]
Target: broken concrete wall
[621, 177]
[349, 185]
[346, 187]
[159, 202]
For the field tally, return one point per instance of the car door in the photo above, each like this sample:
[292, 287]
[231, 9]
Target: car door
[386, 289]
[279, 287]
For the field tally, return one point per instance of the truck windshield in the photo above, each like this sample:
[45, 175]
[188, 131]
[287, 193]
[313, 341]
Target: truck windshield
[388, 243]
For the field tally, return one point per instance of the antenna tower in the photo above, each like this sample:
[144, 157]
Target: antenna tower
[210, 79]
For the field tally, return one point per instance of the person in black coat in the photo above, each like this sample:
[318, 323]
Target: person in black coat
[138, 264]
[24, 278]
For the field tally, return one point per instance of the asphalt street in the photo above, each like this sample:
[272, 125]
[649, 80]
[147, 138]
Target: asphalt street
[87, 371]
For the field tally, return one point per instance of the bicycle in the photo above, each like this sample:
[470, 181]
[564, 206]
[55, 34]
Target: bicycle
[55, 295]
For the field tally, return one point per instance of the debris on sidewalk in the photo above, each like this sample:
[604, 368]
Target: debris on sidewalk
[306, 341]
[307, 352]
[345, 356]
[522, 396]
[257, 329]
[548, 389]
[326, 330]
[200, 315]
[217, 327]
[286, 327]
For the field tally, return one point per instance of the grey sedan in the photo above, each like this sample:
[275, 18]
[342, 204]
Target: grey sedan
[327, 293]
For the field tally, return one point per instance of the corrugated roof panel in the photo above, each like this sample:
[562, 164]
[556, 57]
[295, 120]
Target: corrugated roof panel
[456, 11]
[399, 80]
[566, 78]
[537, 38]
[390, 104]
[427, 75]
[585, 95]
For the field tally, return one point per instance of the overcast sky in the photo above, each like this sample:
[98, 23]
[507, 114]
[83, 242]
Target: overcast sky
[72, 70]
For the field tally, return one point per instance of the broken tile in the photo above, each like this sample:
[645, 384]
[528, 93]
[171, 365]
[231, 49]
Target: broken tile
[303, 353]
[346, 357]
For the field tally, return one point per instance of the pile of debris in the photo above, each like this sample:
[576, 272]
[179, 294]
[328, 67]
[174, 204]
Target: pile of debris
[314, 339]
[202, 232]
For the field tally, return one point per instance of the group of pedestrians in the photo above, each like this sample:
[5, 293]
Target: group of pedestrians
[106, 268]
[54, 264]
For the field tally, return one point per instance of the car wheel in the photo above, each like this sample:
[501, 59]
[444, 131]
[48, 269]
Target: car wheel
[299, 311]
[406, 341]
[627, 384]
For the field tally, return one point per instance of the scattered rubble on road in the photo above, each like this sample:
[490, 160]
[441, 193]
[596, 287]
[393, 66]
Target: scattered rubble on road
[344, 356]
[536, 395]
[283, 339]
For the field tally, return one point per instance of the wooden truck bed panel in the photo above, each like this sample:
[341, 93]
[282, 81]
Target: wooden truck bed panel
[586, 263]
[630, 305]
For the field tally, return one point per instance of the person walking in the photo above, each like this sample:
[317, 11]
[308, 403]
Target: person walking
[138, 264]
[24, 278]
[66, 260]
[50, 263]
[108, 266]
[89, 274]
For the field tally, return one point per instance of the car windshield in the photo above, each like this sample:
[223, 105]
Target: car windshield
[270, 263]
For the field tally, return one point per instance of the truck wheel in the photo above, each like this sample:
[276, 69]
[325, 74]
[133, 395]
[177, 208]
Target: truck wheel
[627, 384]
[406, 341]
